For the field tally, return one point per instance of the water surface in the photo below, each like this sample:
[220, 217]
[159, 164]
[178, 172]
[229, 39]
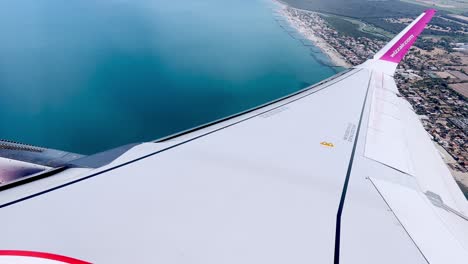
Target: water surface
[85, 76]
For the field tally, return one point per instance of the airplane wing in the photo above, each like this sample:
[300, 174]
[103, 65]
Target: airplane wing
[340, 172]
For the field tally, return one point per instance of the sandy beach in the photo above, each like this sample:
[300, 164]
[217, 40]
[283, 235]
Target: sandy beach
[335, 57]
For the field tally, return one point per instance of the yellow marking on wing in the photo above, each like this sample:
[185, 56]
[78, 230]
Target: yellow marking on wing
[327, 144]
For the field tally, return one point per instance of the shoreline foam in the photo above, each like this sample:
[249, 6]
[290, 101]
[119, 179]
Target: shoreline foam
[335, 57]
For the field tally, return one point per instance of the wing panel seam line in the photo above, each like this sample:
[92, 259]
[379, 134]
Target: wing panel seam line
[396, 217]
[336, 259]
[168, 148]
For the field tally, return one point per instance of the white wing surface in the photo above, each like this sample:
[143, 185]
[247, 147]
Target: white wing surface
[341, 172]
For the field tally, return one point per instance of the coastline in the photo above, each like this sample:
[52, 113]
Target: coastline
[335, 57]
[313, 27]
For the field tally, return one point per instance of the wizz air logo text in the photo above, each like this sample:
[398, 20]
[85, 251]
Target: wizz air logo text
[402, 45]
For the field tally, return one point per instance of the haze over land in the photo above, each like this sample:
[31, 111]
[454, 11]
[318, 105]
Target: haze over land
[359, 8]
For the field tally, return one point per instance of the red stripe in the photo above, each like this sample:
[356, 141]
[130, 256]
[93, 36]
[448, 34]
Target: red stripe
[42, 255]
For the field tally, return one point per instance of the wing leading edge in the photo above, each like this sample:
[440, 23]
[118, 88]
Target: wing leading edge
[301, 179]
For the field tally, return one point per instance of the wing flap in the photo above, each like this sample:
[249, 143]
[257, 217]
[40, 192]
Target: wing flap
[385, 139]
[262, 186]
[435, 240]
[262, 189]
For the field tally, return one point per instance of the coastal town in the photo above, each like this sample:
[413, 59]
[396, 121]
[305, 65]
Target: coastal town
[432, 78]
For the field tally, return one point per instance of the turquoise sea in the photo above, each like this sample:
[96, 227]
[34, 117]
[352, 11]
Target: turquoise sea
[85, 76]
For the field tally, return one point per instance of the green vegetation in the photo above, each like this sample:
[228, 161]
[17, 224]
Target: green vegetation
[369, 28]
[454, 18]
[347, 27]
[360, 8]
[453, 6]
[425, 44]
[436, 21]
[430, 43]
[364, 18]
[447, 24]
[382, 23]
[463, 38]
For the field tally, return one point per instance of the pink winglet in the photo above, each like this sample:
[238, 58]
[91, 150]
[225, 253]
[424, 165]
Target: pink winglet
[399, 49]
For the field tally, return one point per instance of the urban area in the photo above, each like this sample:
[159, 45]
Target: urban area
[433, 76]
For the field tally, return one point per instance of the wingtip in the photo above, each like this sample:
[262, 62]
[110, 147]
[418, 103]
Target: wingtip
[430, 12]
[404, 41]
[387, 59]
